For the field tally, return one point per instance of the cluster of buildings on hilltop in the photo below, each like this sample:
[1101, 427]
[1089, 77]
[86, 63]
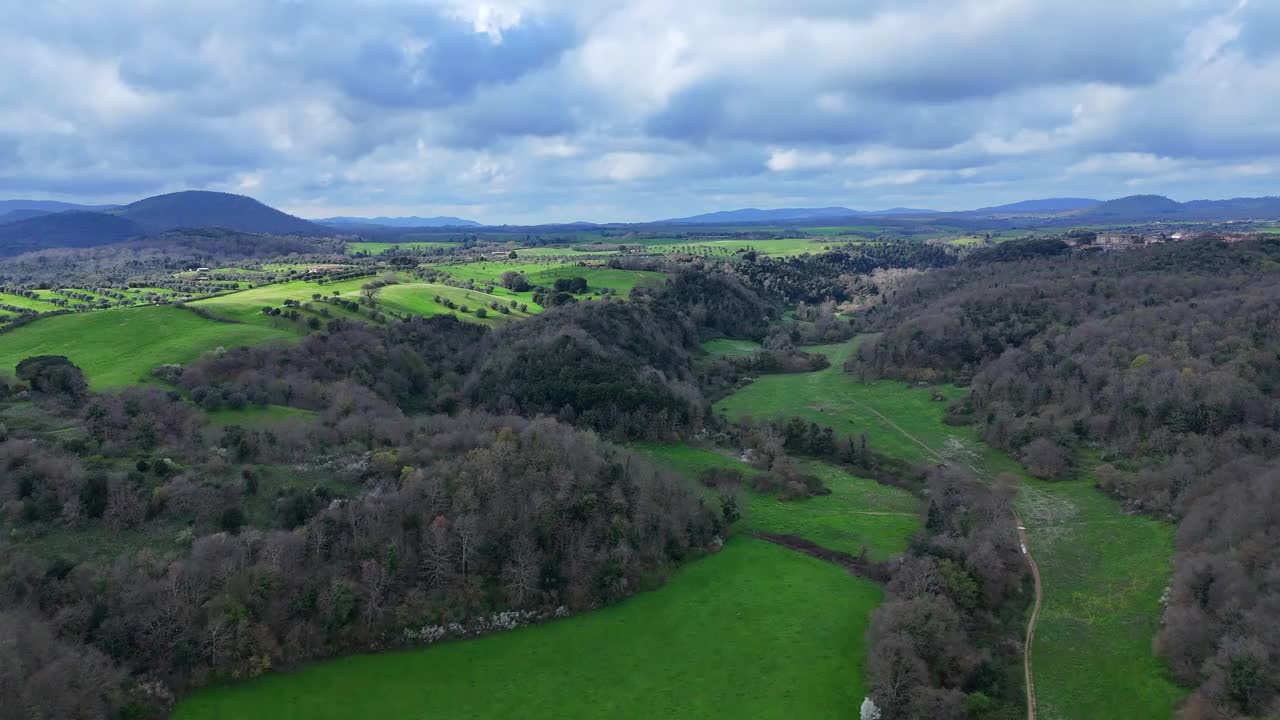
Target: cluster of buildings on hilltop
[1116, 240]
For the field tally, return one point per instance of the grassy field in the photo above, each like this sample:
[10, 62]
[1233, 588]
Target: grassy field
[373, 248]
[1103, 574]
[859, 513]
[1103, 571]
[546, 272]
[27, 303]
[777, 248]
[120, 346]
[835, 399]
[259, 415]
[730, 348]
[419, 299]
[754, 631]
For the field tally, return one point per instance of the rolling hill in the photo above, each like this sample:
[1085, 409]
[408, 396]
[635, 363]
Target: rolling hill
[746, 215]
[1046, 206]
[73, 229]
[200, 208]
[401, 222]
[48, 206]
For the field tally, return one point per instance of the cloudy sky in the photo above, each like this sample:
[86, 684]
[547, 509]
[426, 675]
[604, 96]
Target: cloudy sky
[544, 110]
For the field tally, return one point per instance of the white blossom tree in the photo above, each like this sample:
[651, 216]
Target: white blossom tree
[869, 711]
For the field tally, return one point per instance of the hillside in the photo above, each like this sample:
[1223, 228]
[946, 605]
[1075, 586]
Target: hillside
[199, 208]
[1046, 206]
[65, 229]
[401, 222]
[758, 215]
[48, 206]
[16, 215]
[1135, 207]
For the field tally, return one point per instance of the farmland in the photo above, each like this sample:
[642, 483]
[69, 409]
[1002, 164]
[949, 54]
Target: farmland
[791, 624]
[120, 346]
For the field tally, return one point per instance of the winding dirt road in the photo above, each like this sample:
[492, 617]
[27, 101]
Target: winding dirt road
[1031, 623]
[1026, 552]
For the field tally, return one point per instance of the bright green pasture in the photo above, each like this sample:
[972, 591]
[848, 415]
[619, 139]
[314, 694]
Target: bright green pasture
[858, 514]
[120, 346]
[373, 248]
[783, 247]
[1102, 571]
[725, 348]
[547, 271]
[754, 631]
[26, 302]
[833, 398]
[419, 299]
[1103, 574]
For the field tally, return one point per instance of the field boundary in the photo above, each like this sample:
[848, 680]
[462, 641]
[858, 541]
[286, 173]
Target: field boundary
[854, 565]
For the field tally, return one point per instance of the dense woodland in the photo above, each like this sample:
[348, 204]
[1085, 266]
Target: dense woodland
[1157, 373]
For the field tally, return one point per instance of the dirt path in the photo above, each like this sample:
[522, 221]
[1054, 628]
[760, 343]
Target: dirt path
[1031, 623]
[1026, 552]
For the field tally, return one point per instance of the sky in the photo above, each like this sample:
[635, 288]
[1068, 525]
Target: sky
[530, 111]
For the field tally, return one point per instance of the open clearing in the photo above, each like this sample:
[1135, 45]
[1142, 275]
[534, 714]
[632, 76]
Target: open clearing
[754, 631]
[120, 346]
[858, 514]
[724, 348]
[1103, 571]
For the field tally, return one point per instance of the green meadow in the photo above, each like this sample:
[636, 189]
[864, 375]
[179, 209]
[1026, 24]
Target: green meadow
[546, 272]
[120, 346]
[373, 248]
[725, 347]
[858, 514]
[754, 631]
[1103, 571]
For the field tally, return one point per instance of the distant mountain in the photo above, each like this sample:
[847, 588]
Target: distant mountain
[70, 229]
[401, 222]
[48, 206]
[750, 215]
[902, 211]
[1134, 206]
[200, 208]
[1047, 206]
[16, 215]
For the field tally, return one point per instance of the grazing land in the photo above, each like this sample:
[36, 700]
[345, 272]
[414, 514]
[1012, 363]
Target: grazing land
[121, 346]
[754, 631]
[858, 514]
[374, 248]
[725, 348]
[1103, 571]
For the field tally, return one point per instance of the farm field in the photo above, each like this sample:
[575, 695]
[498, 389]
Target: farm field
[780, 248]
[859, 513]
[120, 346]
[548, 271]
[419, 299]
[1103, 571]
[21, 301]
[754, 631]
[373, 248]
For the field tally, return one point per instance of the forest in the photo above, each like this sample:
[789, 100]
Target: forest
[1154, 373]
